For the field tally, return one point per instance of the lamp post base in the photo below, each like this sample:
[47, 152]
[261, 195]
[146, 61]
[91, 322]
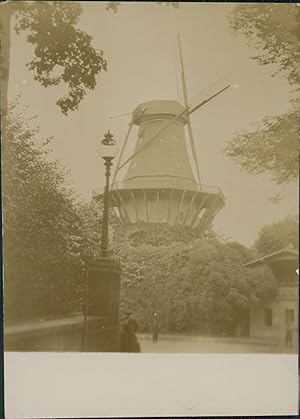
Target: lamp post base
[101, 320]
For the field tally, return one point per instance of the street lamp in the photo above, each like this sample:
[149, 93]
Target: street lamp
[101, 322]
[108, 152]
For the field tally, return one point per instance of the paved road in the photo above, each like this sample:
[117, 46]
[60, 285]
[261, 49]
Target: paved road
[205, 344]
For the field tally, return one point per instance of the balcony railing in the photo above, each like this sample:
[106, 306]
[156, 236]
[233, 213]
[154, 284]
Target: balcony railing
[163, 183]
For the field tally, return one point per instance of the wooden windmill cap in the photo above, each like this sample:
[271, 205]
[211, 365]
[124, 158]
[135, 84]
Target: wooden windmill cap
[153, 109]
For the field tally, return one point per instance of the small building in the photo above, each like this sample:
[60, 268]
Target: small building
[272, 320]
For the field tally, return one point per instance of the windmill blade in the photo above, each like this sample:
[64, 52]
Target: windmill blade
[126, 114]
[185, 97]
[192, 142]
[121, 154]
[205, 101]
[211, 89]
[118, 167]
[119, 116]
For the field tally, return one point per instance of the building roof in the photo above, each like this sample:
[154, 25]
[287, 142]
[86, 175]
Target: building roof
[285, 253]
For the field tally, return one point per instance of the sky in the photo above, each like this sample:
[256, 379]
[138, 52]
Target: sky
[139, 44]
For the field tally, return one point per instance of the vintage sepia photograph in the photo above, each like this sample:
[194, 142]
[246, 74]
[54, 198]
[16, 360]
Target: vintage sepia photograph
[150, 177]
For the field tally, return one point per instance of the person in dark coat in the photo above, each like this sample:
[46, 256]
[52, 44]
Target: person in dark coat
[128, 339]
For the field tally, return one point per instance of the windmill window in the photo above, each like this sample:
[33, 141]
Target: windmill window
[289, 315]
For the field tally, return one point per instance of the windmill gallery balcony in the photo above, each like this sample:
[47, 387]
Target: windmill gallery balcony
[165, 200]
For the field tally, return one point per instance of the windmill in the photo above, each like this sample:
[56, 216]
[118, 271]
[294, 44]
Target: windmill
[159, 185]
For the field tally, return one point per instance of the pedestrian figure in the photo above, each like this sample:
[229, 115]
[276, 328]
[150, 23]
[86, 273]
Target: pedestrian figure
[128, 339]
[289, 335]
[155, 328]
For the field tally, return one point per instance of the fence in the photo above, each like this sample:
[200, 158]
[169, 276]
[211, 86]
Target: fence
[52, 311]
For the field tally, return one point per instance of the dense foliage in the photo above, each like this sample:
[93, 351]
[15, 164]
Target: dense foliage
[274, 30]
[262, 284]
[284, 233]
[272, 146]
[196, 285]
[40, 220]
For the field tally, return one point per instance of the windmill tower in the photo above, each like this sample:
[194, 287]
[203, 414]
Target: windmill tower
[159, 185]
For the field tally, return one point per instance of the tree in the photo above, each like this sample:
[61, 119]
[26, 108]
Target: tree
[157, 234]
[41, 225]
[222, 285]
[148, 260]
[90, 215]
[273, 29]
[272, 146]
[63, 53]
[195, 284]
[239, 251]
[278, 235]
[262, 285]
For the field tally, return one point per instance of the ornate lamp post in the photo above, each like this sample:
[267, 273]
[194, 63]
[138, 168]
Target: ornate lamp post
[108, 153]
[101, 330]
